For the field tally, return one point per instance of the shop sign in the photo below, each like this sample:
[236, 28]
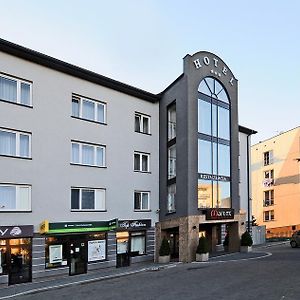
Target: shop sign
[75, 227]
[213, 177]
[219, 213]
[14, 232]
[134, 224]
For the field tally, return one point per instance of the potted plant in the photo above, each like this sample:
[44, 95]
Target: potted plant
[202, 249]
[226, 242]
[246, 242]
[164, 252]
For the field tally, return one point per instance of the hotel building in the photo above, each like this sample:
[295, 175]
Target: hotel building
[93, 172]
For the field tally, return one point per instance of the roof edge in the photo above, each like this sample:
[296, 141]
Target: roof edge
[73, 70]
[246, 130]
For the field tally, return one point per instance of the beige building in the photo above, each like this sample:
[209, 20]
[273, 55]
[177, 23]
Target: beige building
[275, 183]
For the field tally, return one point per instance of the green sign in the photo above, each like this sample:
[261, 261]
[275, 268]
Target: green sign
[73, 227]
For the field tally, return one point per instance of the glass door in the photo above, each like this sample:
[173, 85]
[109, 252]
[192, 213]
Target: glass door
[123, 258]
[19, 261]
[78, 257]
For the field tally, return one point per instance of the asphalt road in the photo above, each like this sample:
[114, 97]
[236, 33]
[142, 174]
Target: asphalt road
[276, 277]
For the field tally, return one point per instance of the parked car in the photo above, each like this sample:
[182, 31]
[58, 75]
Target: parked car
[295, 239]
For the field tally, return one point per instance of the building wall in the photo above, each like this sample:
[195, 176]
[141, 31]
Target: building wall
[49, 171]
[286, 186]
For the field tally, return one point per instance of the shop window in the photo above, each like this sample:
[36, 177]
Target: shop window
[142, 123]
[15, 90]
[137, 243]
[15, 197]
[88, 109]
[88, 199]
[96, 247]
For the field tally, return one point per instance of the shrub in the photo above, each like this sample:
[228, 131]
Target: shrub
[246, 239]
[203, 245]
[164, 248]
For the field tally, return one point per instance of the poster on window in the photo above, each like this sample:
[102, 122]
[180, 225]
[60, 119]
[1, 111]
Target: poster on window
[96, 250]
[55, 254]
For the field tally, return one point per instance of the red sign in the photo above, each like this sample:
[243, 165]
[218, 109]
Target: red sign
[219, 213]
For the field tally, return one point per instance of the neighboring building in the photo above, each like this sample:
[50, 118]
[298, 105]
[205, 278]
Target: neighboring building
[199, 131]
[90, 166]
[275, 183]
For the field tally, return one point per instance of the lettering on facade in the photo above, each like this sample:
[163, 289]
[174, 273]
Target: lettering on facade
[16, 231]
[218, 70]
[213, 177]
[136, 224]
[219, 213]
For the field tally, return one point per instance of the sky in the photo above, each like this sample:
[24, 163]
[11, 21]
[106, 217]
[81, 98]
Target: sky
[142, 43]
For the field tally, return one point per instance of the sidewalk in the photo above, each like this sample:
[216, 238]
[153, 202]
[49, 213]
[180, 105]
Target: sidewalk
[10, 292]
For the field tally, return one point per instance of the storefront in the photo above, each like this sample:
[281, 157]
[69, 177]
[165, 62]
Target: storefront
[131, 240]
[76, 244]
[16, 253]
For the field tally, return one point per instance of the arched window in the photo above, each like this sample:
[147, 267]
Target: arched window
[213, 145]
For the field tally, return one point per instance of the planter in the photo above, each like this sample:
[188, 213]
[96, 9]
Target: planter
[245, 249]
[164, 259]
[202, 256]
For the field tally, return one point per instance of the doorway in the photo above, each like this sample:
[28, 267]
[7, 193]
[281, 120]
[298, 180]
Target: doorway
[78, 257]
[18, 260]
[174, 243]
[123, 257]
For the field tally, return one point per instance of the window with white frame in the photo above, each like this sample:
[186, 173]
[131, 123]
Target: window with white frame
[142, 123]
[172, 121]
[88, 109]
[269, 198]
[171, 198]
[15, 143]
[15, 90]
[88, 154]
[141, 200]
[15, 197]
[268, 158]
[141, 162]
[268, 215]
[268, 178]
[172, 162]
[87, 199]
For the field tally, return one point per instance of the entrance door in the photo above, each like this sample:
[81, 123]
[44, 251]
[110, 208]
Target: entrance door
[78, 257]
[123, 257]
[174, 245]
[19, 264]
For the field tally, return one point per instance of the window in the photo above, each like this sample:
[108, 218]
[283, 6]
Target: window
[268, 178]
[88, 154]
[214, 161]
[172, 122]
[142, 123]
[141, 200]
[15, 197]
[137, 243]
[14, 143]
[87, 199]
[172, 162]
[268, 215]
[88, 109]
[141, 162]
[171, 198]
[269, 198]
[268, 158]
[15, 90]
